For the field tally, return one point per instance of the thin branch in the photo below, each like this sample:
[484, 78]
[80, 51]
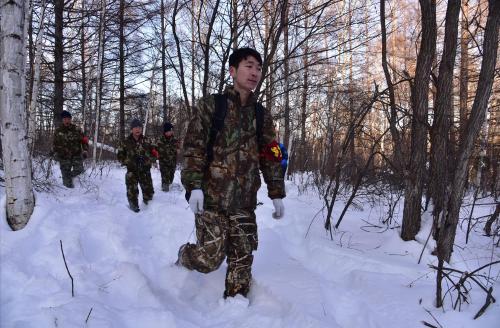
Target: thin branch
[69, 273]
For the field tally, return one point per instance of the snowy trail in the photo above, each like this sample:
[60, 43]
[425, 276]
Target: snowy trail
[122, 264]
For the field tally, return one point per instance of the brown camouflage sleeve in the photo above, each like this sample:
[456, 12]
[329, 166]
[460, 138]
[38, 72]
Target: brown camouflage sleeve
[195, 144]
[271, 169]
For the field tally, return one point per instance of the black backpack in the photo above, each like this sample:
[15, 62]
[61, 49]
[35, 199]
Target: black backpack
[218, 123]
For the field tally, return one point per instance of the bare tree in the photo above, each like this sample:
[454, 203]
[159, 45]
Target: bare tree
[477, 116]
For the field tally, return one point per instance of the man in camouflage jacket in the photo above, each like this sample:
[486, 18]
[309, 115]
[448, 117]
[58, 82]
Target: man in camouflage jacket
[70, 147]
[137, 154]
[167, 152]
[223, 191]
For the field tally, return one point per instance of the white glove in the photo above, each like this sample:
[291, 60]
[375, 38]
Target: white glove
[279, 208]
[196, 201]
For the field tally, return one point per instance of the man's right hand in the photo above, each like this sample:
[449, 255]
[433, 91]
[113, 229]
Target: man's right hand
[196, 201]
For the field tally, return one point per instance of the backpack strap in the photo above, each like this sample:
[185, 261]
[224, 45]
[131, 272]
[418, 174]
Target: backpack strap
[217, 123]
[259, 119]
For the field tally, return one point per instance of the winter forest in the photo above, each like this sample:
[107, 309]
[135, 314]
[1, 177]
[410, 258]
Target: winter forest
[385, 106]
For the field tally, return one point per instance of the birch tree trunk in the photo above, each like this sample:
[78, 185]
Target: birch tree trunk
[99, 79]
[150, 106]
[16, 160]
[415, 175]
[36, 81]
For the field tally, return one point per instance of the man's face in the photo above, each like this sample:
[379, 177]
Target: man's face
[247, 75]
[169, 133]
[66, 121]
[137, 131]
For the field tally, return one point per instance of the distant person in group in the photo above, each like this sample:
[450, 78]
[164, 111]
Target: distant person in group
[167, 152]
[70, 148]
[284, 158]
[230, 137]
[137, 154]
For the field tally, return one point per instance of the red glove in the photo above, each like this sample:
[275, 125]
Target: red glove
[85, 140]
[272, 152]
[154, 152]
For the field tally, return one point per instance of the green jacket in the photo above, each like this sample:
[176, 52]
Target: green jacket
[167, 151]
[69, 142]
[232, 179]
[136, 154]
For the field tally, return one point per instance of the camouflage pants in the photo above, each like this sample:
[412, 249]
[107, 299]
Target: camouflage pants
[167, 173]
[70, 168]
[143, 178]
[218, 236]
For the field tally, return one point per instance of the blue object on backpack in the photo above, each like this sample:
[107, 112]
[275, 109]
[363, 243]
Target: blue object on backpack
[284, 156]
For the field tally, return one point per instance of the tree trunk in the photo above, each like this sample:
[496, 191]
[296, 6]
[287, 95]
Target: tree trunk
[303, 103]
[100, 68]
[205, 46]
[399, 162]
[286, 73]
[17, 163]
[83, 58]
[35, 84]
[180, 72]
[122, 68]
[464, 67]
[476, 119]
[58, 62]
[163, 63]
[443, 112]
[415, 175]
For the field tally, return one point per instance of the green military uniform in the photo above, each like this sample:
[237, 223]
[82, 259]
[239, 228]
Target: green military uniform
[167, 151]
[227, 227]
[69, 142]
[137, 156]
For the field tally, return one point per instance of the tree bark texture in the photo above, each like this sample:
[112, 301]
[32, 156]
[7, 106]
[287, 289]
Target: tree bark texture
[443, 111]
[122, 68]
[415, 175]
[16, 160]
[58, 61]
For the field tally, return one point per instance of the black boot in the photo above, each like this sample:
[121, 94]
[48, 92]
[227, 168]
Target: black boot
[133, 207]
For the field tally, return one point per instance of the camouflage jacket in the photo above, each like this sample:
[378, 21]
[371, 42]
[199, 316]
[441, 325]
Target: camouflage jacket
[167, 151]
[232, 179]
[69, 141]
[136, 154]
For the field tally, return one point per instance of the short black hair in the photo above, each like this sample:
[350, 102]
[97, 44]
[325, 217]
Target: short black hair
[241, 54]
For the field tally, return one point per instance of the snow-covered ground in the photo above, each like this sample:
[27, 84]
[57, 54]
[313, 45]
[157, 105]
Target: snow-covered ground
[124, 276]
